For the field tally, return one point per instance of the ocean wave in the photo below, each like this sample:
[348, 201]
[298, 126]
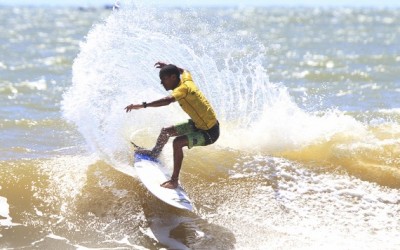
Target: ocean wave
[69, 195]
[26, 124]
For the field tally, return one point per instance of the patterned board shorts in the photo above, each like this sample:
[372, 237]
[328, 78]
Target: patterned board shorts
[197, 137]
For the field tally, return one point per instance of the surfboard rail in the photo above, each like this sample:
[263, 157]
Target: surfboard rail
[152, 174]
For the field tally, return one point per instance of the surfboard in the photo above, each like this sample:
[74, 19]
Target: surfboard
[152, 173]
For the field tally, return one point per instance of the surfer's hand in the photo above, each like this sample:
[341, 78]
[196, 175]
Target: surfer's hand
[133, 106]
[160, 65]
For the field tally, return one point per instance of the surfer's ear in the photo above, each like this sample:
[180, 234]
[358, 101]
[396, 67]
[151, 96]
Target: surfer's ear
[175, 78]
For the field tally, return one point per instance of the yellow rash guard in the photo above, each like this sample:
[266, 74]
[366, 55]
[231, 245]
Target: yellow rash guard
[194, 103]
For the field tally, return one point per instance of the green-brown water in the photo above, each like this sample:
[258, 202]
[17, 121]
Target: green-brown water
[308, 101]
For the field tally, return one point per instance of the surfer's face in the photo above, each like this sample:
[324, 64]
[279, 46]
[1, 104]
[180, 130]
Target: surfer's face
[169, 81]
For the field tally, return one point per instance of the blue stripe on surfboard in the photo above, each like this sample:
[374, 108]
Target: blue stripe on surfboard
[139, 157]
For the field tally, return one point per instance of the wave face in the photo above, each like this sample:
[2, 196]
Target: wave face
[307, 100]
[115, 68]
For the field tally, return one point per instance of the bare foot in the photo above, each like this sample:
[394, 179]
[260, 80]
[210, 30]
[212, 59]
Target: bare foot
[171, 184]
[146, 152]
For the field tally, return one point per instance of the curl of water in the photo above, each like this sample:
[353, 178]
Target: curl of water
[115, 68]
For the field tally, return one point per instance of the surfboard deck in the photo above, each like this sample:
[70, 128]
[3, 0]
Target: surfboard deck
[152, 173]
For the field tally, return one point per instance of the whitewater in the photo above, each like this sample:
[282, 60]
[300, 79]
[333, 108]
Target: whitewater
[307, 99]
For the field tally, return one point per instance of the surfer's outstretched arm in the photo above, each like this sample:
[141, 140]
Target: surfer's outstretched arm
[158, 103]
[170, 79]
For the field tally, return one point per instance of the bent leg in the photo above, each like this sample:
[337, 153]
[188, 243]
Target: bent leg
[178, 145]
[162, 139]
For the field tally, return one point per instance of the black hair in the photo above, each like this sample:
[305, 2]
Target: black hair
[168, 70]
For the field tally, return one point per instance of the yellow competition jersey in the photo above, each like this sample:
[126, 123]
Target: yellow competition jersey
[194, 103]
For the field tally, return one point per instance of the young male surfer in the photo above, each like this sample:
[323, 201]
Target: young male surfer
[201, 130]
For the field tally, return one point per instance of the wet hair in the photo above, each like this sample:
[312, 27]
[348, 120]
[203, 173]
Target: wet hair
[168, 70]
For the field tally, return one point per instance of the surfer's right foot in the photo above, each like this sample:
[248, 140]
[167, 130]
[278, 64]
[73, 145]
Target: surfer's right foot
[171, 184]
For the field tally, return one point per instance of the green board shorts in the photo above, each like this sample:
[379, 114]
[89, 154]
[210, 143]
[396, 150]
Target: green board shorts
[197, 137]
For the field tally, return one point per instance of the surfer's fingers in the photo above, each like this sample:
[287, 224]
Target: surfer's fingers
[128, 108]
[132, 106]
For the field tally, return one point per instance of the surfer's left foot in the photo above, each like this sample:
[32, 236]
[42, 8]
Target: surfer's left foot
[171, 184]
[146, 152]
[143, 151]
[140, 150]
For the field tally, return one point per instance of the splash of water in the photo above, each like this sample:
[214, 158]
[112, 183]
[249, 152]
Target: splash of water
[115, 68]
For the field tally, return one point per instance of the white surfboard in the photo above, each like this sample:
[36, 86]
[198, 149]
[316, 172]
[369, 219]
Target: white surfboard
[152, 173]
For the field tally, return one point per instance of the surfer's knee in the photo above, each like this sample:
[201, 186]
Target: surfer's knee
[180, 142]
[169, 131]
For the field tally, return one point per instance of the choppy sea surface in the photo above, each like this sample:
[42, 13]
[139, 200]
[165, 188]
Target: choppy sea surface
[309, 105]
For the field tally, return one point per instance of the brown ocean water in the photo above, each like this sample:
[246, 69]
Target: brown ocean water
[308, 100]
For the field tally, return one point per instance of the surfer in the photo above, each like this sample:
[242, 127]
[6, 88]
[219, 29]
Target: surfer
[200, 130]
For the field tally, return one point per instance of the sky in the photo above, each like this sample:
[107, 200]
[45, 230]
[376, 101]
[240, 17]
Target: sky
[367, 3]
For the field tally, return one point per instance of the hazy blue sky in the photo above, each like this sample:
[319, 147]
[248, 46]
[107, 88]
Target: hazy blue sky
[377, 3]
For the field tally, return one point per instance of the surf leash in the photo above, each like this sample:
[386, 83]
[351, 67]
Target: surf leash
[136, 146]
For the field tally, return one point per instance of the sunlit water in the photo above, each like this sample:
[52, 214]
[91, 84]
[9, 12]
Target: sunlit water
[308, 101]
